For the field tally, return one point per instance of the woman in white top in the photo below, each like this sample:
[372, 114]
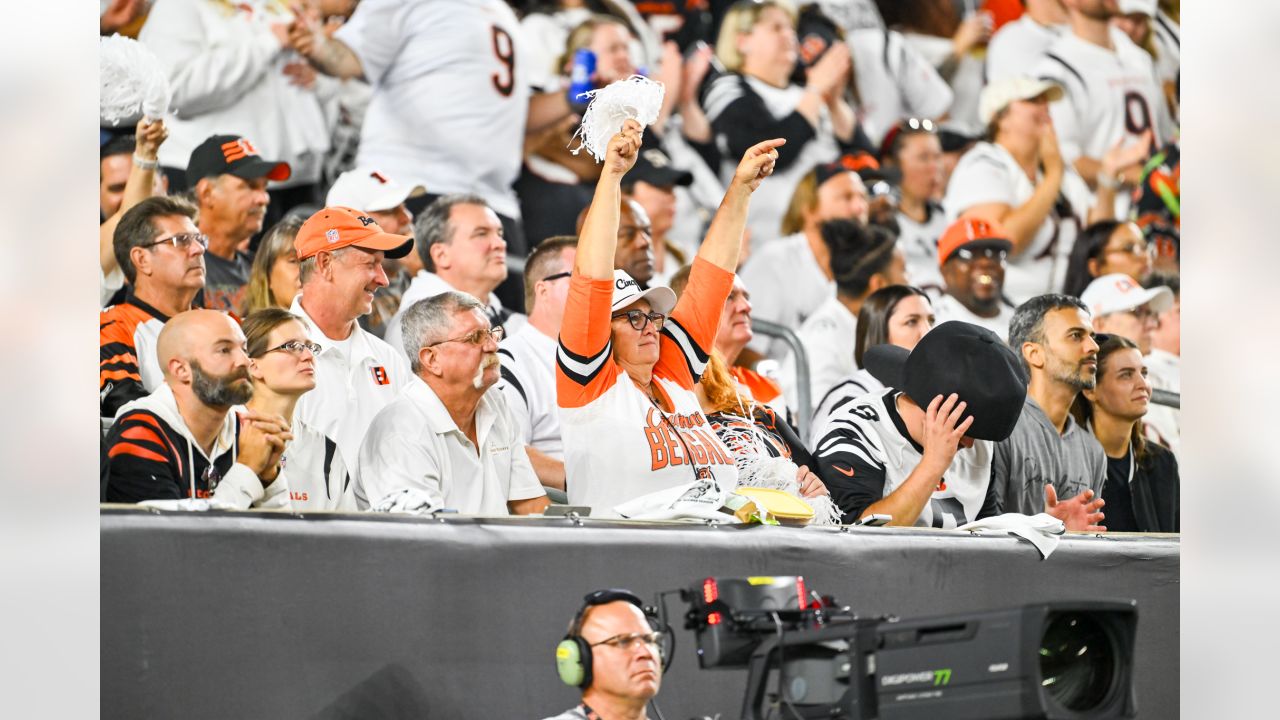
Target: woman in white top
[756, 101]
[913, 149]
[282, 367]
[1019, 180]
[898, 315]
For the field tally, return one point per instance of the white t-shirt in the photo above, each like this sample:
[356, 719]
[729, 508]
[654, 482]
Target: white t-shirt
[414, 444]
[529, 384]
[864, 453]
[894, 81]
[1017, 47]
[1163, 423]
[989, 174]
[543, 36]
[919, 243]
[828, 336]
[1111, 95]
[449, 94]
[786, 286]
[948, 308]
[966, 82]
[355, 379]
[314, 471]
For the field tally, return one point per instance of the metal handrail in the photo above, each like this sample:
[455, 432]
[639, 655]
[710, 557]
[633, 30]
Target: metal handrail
[1167, 398]
[803, 403]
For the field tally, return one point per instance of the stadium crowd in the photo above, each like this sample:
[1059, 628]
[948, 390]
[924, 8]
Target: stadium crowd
[356, 266]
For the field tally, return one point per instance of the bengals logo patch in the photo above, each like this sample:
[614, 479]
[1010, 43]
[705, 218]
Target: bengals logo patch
[380, 375]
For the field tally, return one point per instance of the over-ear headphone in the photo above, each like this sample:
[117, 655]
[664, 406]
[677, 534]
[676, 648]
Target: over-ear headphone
[573, 654]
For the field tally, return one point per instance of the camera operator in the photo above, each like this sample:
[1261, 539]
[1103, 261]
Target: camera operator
[613, 653]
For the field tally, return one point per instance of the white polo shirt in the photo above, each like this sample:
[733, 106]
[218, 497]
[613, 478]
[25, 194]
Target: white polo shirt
[355, 378]
[428, 284]
[415, 444]
[529, 385]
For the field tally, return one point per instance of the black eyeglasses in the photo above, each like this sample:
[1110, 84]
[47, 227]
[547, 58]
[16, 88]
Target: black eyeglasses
[627, 641]
[294, 347]
[557, 276]
[476, 337]
[182, 241]
[639, 318]
[970, 254]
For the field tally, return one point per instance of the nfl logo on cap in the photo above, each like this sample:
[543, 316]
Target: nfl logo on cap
[331, 235]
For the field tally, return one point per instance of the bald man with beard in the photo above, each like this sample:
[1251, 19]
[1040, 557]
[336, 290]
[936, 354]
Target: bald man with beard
[182, 440]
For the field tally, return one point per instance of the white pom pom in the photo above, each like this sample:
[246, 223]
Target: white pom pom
[636, 98]
[133, 82]
[757, 467]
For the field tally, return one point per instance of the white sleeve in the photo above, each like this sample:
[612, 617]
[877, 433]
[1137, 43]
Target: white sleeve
[924, 92]
[391, 462]
[769, 297]
[1067, 113]
[374, 34]
[242, 488]
[515, 386]
[206, 75]
[343, 484]
[978, 179]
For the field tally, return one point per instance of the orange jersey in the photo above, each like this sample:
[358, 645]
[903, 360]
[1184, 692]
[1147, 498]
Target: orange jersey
[125, 332]
[619, 445]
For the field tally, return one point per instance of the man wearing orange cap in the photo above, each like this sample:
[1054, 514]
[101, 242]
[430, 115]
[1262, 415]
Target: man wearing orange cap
[341, 252]
[971, 255]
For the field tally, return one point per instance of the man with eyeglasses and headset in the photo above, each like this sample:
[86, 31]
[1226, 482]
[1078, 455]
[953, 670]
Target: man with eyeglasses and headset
[971, 254]
[628, 358]
[1121, 306]
[614, 655]
[449, 440]
[161, 254]
[184, 441]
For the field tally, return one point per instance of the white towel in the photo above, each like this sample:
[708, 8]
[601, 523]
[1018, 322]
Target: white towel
[1041, 530]
[701, 500]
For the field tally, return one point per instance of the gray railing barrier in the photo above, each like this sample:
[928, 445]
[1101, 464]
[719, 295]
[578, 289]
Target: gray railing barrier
[803, 403]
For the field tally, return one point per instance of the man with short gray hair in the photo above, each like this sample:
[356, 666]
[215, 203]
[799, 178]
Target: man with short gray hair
[448, 440]
[460, 241]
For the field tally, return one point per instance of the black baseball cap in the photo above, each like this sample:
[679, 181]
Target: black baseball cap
[232, 155]
[961, 358]
[655, 168]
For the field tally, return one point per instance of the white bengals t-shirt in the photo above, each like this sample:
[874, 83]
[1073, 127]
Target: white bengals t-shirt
[618, 444]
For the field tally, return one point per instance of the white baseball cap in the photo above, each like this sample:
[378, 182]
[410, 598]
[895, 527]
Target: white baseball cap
[1135, 7]
[997, 95]
[1118, 292]
[370, 191]
[626, 291]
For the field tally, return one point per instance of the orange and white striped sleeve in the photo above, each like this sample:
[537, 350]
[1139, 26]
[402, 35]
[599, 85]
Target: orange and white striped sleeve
[690, 333]
[585, 369]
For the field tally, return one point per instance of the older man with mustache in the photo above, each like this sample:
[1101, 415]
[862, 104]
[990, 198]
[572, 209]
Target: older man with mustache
[449, 440]
[183, 441]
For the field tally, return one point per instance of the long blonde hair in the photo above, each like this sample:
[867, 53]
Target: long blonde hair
[277, 242]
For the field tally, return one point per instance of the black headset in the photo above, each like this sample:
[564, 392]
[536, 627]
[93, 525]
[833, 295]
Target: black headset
[573, 653]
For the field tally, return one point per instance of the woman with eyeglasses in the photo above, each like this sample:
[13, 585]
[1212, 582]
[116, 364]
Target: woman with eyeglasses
[894, 315]
[913, 149]
[282, 367]
[756, 100]
[273, 279]
[628, 358]
[1142, 488]
[1017, 178]
[1106, 247]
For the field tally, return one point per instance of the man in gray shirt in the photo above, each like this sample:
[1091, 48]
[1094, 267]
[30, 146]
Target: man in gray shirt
[1049, 456]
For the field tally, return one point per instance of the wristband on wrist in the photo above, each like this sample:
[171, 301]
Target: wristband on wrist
[143, 163]
[1108, 182]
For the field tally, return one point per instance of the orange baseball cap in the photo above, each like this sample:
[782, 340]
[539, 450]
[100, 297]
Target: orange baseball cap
[337, 227]
[971, 232]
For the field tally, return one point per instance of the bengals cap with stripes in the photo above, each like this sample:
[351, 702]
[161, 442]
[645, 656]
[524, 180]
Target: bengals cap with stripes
[232, 155]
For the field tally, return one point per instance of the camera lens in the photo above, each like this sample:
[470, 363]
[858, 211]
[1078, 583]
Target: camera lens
[1077, 661]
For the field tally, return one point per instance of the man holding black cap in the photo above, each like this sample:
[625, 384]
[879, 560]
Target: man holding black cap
[971, 254]
[899, 452]
[1048, 455]
[230, 181]
[341, 251]
[652, 183]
